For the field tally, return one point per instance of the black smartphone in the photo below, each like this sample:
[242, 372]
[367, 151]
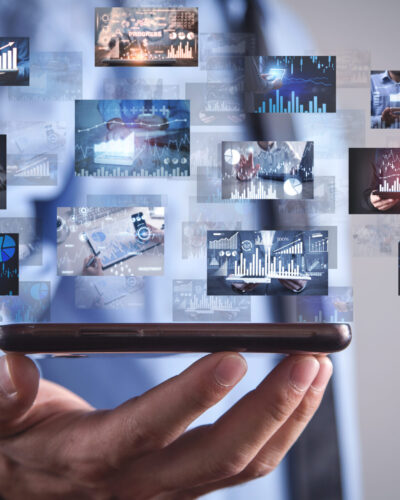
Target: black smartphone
[175, 337]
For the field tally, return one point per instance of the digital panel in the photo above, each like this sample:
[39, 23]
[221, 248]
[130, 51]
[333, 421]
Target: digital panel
[336, 307]
[374, 180]
[267, 170]
[14, 61]
[216, 103]
[138, 138]
[377, 238]
[30, 306]
[267, 262]
[3, 172]
[129, 36]
[191, 303]
[139, 88]
[116, 241]
[126, 200]
[29, 232]
[215, 45]
[290, 84]
[9, 264]
[109, 292]
[35, 150]
[55, 76]
[385, 99]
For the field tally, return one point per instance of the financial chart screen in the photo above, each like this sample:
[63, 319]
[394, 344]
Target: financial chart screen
[146, 36]
[260, 262]
[140, 138]
[290, 84]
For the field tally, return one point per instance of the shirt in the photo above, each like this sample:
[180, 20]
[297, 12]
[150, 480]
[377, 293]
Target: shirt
[382, 87]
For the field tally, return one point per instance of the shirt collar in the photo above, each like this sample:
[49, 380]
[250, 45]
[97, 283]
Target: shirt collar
[386, 77]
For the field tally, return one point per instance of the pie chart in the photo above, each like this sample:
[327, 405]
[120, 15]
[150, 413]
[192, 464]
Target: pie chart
[232, 156]
[39, 291]
[7, 248]
[293, 186]
[98, 236]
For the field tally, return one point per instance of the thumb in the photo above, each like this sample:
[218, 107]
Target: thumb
[19, 382]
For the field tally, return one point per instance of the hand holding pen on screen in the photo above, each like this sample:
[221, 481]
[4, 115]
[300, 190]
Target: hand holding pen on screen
[92, 266]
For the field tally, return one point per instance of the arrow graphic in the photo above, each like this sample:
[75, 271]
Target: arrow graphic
[10, 44]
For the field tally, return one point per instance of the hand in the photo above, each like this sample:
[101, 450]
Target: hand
[382, 204]
[243, 287]
[388, 117]
[294, 285]
[206, 118]
[273, 84]
[117, 130]
[95, 269]
[53, 444]
[246, 169]
[151, 122]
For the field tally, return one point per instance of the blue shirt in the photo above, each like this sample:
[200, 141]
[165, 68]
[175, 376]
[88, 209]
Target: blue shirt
[382, 87]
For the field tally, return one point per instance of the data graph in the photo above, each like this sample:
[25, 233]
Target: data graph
[9, 264]
[148, 36]
[222, 243]
[191, 303]
[293, 84]
[9, 57]
[180, 51]
[269, 267]
[267, 262]
[152, 139]
[387, 163]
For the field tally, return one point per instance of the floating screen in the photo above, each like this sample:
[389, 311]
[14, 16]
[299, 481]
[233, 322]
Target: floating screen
[146, 37]
[267, 262]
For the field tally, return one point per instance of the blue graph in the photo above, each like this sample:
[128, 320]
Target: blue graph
[7, 248]
[308, 84]
[98, 236]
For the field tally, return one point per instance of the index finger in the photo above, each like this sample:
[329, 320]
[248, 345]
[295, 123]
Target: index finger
[225, 448]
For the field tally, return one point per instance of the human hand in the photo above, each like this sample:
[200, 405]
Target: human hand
[382, 204]
[270, 81]
[151, 122]
[246, 169]
[117, 130]
[95, 268]
[294, 285]
[53, 444]
[207, 118]
[388, 117]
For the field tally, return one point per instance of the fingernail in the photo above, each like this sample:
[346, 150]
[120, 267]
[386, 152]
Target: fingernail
[324, 374]
[303, 373]
[230, 370]
[7, 386]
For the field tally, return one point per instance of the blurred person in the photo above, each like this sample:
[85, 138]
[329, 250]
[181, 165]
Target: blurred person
[384, 85]
[53, 444]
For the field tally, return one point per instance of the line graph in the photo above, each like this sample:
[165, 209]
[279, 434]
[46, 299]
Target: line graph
[151, 139]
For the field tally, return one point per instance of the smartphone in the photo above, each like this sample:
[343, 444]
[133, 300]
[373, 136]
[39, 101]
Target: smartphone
[142, 231]
[175, 337]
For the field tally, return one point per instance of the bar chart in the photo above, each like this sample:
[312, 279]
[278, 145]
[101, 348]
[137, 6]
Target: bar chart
[8, 58]
[267, 267]
[180, 52]
[281, 104]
